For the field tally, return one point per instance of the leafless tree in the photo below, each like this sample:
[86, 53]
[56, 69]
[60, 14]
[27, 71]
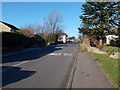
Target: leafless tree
[59, 29]
[53, 20]
[30, 30]
[34, 28]
[26, 32]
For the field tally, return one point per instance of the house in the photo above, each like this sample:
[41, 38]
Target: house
[5, 27]
[62, 37]
[71, 39]
[112, 37]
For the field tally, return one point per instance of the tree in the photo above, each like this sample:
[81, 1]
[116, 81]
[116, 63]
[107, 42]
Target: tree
[52, 38]
[26, 32]
[30, 30]
[99, 17]
[53, 21]
[59, 29]
[84, 29]
[33, 28]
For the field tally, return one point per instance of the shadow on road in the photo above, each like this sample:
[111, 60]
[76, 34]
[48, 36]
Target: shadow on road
[13, 75]
[30, 55]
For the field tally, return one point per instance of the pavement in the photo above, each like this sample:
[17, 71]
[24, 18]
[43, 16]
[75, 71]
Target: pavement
[87, 73]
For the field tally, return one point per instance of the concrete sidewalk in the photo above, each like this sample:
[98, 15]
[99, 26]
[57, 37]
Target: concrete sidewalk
[88, 74]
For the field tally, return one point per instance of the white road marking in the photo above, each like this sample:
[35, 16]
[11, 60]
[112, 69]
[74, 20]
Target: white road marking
[15, 65]
[68, 54]
[65, 54]
[60, 54]
[20, 63]
[51, 54]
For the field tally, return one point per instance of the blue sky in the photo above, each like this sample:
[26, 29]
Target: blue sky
[25, 13]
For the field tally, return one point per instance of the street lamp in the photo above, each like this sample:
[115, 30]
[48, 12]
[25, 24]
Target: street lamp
[42, 25]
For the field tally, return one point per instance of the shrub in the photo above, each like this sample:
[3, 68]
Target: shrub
[100, 46]
[52, 38]
[13, 39]
[83, 47]
[26, 32]
[10, 40]
[37, 39]
[112, 43]
[94, 42]
[117, 42]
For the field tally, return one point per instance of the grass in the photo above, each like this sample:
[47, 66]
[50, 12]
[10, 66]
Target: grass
[109, 67]
[110, 49]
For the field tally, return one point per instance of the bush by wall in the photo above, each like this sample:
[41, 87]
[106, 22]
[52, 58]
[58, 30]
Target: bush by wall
[52, 38]
[13, 40]
[10, 39]
[118, 42]
[37, 39]
[115, 43]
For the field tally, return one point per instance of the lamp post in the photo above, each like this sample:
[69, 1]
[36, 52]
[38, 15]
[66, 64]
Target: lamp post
[43, 26]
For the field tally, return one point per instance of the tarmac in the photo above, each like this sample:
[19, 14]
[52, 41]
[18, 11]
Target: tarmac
[85, 73]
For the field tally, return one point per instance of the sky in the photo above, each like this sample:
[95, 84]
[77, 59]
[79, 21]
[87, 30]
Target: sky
[21, 14]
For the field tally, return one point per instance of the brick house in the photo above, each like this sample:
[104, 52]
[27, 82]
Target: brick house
[5, 27]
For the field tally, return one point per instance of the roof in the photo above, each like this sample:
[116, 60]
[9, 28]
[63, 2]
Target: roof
[9, 25]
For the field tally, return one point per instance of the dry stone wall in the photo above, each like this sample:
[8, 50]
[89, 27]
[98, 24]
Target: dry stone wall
[98, 51]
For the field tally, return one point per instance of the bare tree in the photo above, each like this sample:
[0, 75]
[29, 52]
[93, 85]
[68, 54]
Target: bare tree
[34, 28]
[59, 29]
[54, 20]
[26, 32]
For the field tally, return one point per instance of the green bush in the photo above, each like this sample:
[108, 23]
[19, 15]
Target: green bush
[118, 42]
[10, 40]
[100, 46]
[83, 47]
[115, 43]
[52, 38]
[13, 39]
[38, 40]
[112, 43]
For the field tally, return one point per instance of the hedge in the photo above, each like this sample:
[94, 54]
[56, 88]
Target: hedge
[52, 38]
[10, 39]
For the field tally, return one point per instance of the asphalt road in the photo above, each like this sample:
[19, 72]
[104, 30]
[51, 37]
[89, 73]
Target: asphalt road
[48, 67]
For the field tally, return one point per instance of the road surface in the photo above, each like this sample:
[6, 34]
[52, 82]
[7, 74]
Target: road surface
[48, 67]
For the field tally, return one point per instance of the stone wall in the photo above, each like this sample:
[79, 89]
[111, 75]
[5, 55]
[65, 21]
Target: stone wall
[116, 55]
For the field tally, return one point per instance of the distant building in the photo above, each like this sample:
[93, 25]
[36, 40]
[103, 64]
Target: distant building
[62, 37]
[71, 39]
[5, 27]
[110, 37]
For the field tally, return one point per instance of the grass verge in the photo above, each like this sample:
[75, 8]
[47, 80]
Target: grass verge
[109, 67]
[110, 49]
